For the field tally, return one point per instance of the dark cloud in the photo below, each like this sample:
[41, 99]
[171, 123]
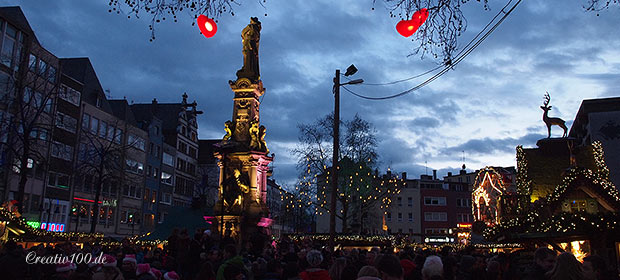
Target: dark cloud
[543, 46]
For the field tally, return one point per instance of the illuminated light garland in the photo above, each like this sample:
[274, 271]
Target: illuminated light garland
[565, 222]
[21, 222]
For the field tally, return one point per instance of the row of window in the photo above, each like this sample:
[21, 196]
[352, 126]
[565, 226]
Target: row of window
[400, 217]
[187, 149]
[435, 201]
[102, 129]
[70, 95]
[12, 45]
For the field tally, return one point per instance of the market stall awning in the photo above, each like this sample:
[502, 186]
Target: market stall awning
[181, 218]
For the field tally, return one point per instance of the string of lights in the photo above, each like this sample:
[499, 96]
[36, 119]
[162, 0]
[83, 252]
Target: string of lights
[448, 64]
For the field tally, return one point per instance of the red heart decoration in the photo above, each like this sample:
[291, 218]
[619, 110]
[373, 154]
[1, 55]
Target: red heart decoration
[207, 26]
[409, 27]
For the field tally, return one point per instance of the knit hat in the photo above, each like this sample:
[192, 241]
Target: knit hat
[143, 268]
[66, 266]
[130, 258]
[109, 261]
[156, 272]
[171, 276]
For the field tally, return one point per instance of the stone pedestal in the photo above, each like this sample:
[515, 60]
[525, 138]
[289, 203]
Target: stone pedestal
[243, 162]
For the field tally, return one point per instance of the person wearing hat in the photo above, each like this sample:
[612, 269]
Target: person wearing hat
[64, 270]
[128, 268]
[143, 272]
[108, 271]
[171, 276]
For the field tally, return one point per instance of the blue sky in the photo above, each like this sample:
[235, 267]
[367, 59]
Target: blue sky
[485, 106]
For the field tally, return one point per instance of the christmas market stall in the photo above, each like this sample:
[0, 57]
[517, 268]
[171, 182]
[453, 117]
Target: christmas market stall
[564, 201]
[14, 227]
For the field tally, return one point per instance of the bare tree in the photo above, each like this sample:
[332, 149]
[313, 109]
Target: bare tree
[438, 36]
[104, 158]
[27, 123]
[359, 190]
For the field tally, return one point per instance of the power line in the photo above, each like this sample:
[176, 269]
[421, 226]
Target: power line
[448, 65]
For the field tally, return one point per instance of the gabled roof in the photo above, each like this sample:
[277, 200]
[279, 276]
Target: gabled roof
[121, 109]
[16, 16]
[81, 70]
[168, 113]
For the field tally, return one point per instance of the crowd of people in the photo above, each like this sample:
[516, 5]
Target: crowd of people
[201, 257]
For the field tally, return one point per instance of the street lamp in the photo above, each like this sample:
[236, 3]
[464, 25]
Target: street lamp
[334, 184]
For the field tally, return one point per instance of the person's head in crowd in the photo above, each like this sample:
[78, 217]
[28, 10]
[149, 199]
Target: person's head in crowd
[171, 275]
[389, 267]
[65, 270]
[143, 271]
[314, 258]
[467, 263]
[566, 267]
[432, 269]
[233, 272]
[206, 271]
[493, 269]
[368, 272]
[594, 267]
[230, 251]
[335, 271]
[370, 257]
[291, 270]
[129, 263]
[544, 258]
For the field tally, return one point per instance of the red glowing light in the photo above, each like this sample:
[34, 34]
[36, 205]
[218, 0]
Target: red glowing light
[408, 27]
[207, 26]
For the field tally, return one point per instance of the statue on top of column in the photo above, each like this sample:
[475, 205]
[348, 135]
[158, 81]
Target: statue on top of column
[250, 36]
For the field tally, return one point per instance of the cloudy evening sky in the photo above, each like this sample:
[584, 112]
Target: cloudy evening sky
[485, 107]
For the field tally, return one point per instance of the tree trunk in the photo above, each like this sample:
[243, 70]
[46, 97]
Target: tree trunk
[345, 211]
[94, 220]
[23, 177]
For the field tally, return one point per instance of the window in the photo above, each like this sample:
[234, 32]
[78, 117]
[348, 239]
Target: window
[6, 84]
[463, 202]
[42, 67]
[111, 131]
[166, 198]
[63, 151]
[438, 201]
[162, 217]
[136, 142]
[411, 217]
[192, 152]
[51, 74]
[435, 216]
[182, 147]
[389, 217]
[103, 129]
[400, 201]
[463, 218]
[409, 201]
[134, 166]
[181, 164]
[132, 191]
[66, 122]
[8, 45]
[58, 180]
[168, 159]
[156, 173]
[118, 136]
[167, 178]
[32, 63]
[149, 170]
[85, 121]
[94, 125]
[70, 95]
[579, 205]
[400, 217]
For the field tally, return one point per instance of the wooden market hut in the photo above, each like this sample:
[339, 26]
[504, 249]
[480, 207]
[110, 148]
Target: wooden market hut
[565, 200]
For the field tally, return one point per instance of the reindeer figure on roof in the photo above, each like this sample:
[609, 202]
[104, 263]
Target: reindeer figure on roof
[551, 121]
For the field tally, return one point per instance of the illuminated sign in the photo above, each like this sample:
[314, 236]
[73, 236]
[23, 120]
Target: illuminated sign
[53, 227]
[463, 225]
[33, 224]
[438, 239]
[111, 203]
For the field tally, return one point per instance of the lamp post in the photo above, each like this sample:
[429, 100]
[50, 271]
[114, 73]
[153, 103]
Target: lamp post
[336, 150]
